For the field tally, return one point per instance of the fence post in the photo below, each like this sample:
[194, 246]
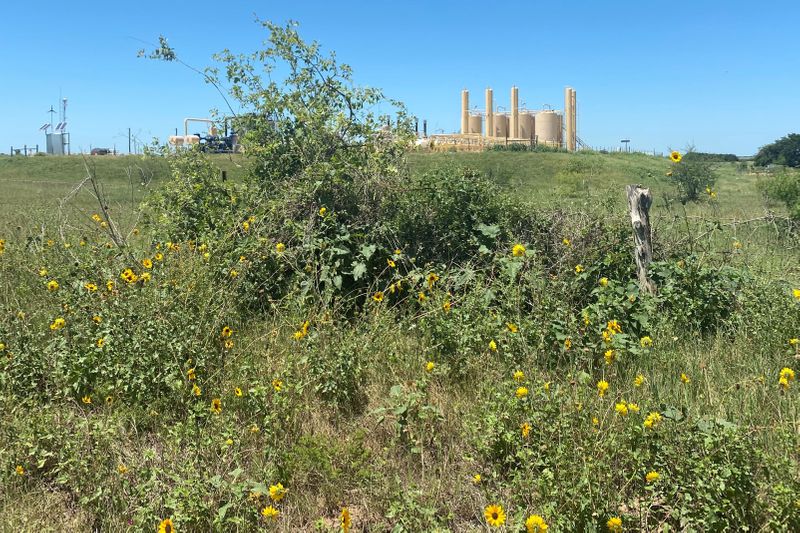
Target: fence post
[639, 202]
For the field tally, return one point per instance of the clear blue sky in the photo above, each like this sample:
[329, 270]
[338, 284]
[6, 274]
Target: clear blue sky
[723, 75]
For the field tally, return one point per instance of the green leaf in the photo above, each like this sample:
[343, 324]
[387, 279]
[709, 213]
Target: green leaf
[359, 269]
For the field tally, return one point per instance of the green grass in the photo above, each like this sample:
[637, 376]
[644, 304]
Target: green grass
[403, 459]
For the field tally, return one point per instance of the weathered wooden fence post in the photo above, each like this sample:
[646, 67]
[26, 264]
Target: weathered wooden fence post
[639, 202]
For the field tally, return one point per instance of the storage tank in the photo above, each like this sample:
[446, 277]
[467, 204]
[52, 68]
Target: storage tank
[501, 126]
[476, 124]
[548, 127]
[526, 125]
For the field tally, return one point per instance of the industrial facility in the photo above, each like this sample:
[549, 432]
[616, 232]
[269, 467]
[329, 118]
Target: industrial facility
[495, 124]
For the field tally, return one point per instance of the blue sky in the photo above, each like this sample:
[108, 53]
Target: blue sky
[722, 75]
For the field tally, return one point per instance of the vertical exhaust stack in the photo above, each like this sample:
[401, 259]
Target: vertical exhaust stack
[568, 118]
[489, 113]
[574, 108]
[514, 125]
[464, 112]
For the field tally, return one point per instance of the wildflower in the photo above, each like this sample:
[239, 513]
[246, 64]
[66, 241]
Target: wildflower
[159, 256]
[228, 344]
[519, 375]
[42, 272]
[378, 296]
[603, 282]
[345, 521]
[535, 524]
[492, 345]
[421, 297]
[579, 269]
[197, 391]
[50, 242]
[109, 285]
[229, 442]
[147, 263]
[602, 387]
[786, 377]
[638, 381]
[518, 250]
[652, 420]
[476, 479]
[675, 156]
[652, 476]
[614, 524]
[270, 512]
[190, 374]
[646, 342]
[96, 218]
[547, 386]
[390, 263]
[522, 392]
[234, 273]
[608, 336]
[621, 408]
[245, 226]
[669, 173]
[566, 242]
[87, 399]
[20, 470]
[567, 343]
[280, 247]
[100, 342]
[122, 469]
[216, 406]
[109, 400]
[796, 293]
[494, 515]
[52, 285]
[429, 366]
[254, 429]
[614, 327]
[166, 526]
[512, 327]
[145, 277]
[238, 392]
[277, 492]
[58, 323]
[2, 346]
[794, 342]
[323, 211]
[129, 276]
[432, 278]
[595, 421]
[226, 332]
[685, 379]
[633, 407]
[737, 245]
[398, 251]
[609, 356]
[277, 385]
[91, 287]
[525, 428]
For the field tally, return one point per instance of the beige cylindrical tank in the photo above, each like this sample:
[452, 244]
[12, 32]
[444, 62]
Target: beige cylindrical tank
[513, 129]
[501, 126]
[476, 124]
[548, 127]
[526, 126]
[464, 112]
[489, 113]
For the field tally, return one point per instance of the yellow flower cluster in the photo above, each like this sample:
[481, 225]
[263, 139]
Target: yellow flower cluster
[518, 250]
[602, 387]
[129, 276]
[652, 420]
[786, 377]
[303, 331]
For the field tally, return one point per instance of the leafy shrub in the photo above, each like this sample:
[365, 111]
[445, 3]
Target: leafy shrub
[784, 188]
[784, 151]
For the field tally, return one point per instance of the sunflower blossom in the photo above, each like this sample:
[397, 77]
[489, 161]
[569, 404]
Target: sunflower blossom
[495, 516]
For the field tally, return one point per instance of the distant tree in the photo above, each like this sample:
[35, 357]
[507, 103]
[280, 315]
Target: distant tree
[693, 176]
[784, 151]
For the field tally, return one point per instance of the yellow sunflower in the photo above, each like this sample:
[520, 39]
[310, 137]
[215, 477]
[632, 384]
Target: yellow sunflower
[675, 156]
[494, 515]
